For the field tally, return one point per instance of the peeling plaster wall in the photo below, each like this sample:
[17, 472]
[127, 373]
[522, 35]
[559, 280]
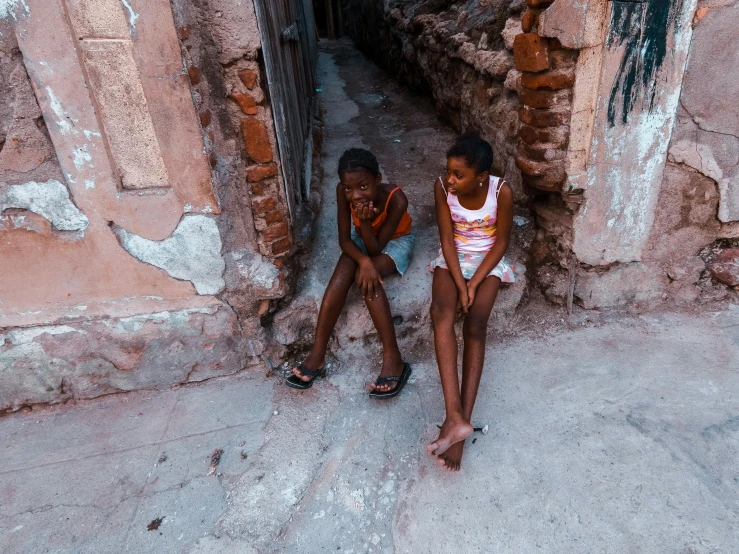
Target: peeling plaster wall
[128, 184]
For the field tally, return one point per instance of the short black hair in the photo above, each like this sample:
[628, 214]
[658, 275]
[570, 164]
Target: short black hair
[474, 149]
[359, 158]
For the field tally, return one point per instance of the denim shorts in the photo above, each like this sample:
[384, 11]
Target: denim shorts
[398, 249]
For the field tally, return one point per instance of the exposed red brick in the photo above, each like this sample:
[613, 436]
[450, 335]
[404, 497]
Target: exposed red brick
[183, 33]
[261, 172]
[528, 134]
[273, 217]
[212, 159]
[554, 45]
[194, 74]
[205, 118]
[542, 118]
[247, 104]
[257, 140]
[280, 247]
[531, 52]
[549, 182]
[542, 98]
[258, 189]
[248, 77]
[275, 232]
[212, 136]
[551, 80]
[538, 3]
[529, 20]
[263, 205]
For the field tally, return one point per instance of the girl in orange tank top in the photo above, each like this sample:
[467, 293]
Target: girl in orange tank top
[374, 245]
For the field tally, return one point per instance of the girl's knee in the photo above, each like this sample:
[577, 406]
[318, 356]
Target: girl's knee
[475, 326]
[441, 314]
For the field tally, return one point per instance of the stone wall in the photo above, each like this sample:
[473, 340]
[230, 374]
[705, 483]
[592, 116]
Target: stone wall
[143, 222]
[460, 53]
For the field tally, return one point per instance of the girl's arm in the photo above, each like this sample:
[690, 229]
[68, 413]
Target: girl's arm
[446, 237]
[368, 278]
[395, 210]
[344, 220]
[503, 238]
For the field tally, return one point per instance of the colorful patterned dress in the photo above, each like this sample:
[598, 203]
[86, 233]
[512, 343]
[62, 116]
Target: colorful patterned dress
[474, 234]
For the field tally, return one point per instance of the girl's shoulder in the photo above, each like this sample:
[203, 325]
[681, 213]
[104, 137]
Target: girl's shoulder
[395, 194]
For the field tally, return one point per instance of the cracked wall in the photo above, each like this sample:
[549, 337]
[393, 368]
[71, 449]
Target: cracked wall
[139, 176]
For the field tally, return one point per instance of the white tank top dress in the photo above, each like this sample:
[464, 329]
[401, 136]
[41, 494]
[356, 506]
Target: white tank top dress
[475, 234]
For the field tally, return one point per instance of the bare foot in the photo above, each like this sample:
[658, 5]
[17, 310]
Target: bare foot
[312, 362]
[451, 460]
[452, 432]
[392, 366]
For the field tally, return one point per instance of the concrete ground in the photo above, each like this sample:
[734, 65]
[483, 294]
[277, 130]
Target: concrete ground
[614, 438]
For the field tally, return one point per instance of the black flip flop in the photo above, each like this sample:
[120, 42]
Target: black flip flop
[401, 379]
[297, 383]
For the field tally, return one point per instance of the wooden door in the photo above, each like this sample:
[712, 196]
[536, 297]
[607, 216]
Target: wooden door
[287, 29]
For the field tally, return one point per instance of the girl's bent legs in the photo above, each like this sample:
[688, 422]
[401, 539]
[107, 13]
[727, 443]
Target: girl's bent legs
[379, 310]
[443, 312]
[331, 306]
[475, 332]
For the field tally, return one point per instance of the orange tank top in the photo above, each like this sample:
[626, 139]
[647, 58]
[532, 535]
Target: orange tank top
[404, 226]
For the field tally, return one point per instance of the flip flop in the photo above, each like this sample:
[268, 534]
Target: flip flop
[297, 383]
[401, 379]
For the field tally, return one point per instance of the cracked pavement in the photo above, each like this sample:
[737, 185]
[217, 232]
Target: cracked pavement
[621, 437]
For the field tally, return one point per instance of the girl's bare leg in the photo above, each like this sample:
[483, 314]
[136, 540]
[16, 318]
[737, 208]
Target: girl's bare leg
[333, 302]
[379, 310]
[443, 312]
[475, 333]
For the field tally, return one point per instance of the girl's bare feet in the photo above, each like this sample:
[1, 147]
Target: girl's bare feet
[452, 431]
[451, 460]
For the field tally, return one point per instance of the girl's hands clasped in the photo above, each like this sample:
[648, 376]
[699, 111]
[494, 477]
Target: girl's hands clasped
[366, 210]
[368, 279]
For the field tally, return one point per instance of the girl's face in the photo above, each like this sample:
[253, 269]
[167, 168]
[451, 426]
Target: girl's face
[461, 178]
[360, 186]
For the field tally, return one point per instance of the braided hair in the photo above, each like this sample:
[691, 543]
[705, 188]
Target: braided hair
[359, 158]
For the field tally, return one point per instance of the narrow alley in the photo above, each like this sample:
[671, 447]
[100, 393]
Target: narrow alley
[604, 433]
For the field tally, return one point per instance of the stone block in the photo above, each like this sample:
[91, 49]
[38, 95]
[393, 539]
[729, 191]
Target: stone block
[551, 80]
[575, 23]
[247, 104]
[495, 64]
[531, 52]
[509, 32]
[257, 140]
[261, 172]
[725, 267]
